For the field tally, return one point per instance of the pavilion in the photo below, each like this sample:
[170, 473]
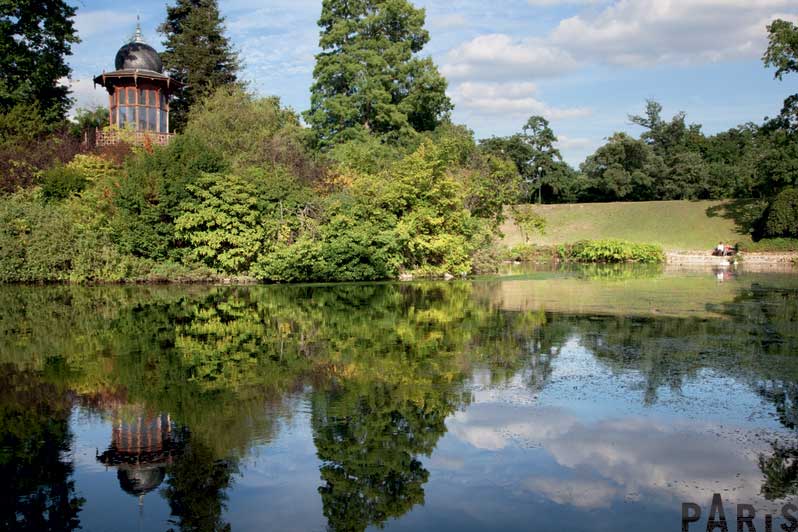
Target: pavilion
[138, 96]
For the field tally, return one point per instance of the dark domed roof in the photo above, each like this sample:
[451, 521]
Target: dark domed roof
[140, 481]
[138, 56]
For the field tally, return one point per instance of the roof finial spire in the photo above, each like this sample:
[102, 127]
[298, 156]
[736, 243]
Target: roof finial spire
[138, 37]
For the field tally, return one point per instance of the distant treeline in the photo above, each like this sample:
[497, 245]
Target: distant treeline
[671, 160]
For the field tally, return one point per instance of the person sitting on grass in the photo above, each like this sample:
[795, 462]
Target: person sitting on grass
[720, 249]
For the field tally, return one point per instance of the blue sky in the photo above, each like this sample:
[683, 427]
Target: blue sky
[584, 64]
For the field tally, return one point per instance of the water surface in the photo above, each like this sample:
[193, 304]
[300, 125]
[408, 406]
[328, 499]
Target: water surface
[596, 399]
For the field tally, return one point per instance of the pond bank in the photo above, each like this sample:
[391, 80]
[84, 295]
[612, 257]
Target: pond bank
[780, 260]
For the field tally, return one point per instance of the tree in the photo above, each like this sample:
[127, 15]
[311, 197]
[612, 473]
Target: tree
[667, 138]
[622, 169]
[681, 147]
[781, 218]
[35, 38]
[197, 53]
[367, 77]
[533, 153]
[782, 53]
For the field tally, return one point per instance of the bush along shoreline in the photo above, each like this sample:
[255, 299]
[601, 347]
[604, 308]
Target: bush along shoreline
[610, 251]
[241, 195]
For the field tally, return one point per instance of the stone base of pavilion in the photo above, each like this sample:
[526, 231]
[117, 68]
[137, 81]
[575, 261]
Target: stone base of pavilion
[112, 137]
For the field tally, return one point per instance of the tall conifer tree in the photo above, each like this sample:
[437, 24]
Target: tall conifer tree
[35, 38]
[368, 77]
[197, 53]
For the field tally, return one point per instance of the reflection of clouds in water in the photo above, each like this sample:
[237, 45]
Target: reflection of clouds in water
[493, 426]
[620, 457]
[581, 493]
[447, 463]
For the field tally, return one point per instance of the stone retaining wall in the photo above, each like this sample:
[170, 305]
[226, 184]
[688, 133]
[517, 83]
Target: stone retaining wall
[787, 259]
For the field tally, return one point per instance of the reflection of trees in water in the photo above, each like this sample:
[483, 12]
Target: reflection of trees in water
[764, 321]
[784, 396]
[387, 364]
[754, 342]
[196, 488]
[665, 351]
[780, 471]
[37, 491]
[369, 439]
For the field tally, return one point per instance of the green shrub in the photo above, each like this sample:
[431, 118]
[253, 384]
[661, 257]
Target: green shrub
[529, 253]
[611, 251]
[45, 242]
[231, 219]
[222, 223]
[781, 219]
[434, 230]
[770, 244]
[248, 130]
[93, 168]
[150, 193]
[61, 182]
[36, 240]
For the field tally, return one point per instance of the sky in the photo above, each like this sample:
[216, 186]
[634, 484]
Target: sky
[585, 65]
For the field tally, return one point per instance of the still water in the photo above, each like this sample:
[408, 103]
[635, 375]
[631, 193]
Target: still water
[597, 399]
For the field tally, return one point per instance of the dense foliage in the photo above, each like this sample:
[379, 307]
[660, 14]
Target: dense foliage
[239, 194]
[535, 156]
[35, 38]
[781, 219]
[671, 160]
[612, 251]
[368, 79]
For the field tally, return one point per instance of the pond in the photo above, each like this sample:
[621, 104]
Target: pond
[593, 399]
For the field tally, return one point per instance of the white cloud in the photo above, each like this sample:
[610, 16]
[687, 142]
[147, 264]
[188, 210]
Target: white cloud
[627, 33]
[517, 100]
[648, 32]
[85, 93]
[501, 57]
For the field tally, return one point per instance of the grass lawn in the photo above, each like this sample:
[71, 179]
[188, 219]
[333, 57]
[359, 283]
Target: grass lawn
[676, 225]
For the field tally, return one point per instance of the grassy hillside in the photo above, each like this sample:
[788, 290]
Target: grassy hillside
[676, 225]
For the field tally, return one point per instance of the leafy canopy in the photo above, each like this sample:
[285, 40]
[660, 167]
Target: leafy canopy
[367, 76]
[35, 39]
[534, 153]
